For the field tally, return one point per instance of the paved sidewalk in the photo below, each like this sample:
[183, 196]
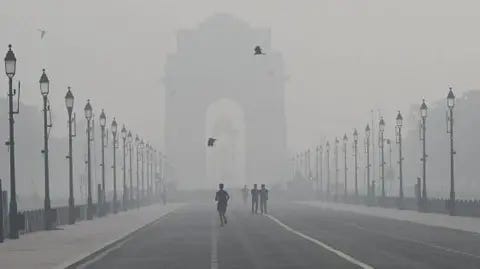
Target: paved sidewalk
[69, 244]
[467, 224]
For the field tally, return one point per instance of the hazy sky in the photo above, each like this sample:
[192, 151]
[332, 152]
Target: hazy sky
[343, 57]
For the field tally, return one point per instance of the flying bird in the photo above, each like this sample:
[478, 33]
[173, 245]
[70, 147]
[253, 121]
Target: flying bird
[42, 33]
[258, 51]
[211, 141]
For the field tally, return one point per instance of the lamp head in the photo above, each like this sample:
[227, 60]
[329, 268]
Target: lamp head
[423, 109]
[10, 62]
[88, 110]
[114, 127]
[69, 100]
[399, 119]
[44, 84]
[450, 99]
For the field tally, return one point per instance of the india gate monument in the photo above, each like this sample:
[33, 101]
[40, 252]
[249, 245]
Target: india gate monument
[215, 64]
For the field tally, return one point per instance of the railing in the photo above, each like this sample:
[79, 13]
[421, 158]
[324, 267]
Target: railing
[34, 220]
[466, 208]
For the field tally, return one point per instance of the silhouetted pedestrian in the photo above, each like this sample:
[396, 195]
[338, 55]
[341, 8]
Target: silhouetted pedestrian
[222, 198]
[245, 194]
[254, 193]
[263, 199]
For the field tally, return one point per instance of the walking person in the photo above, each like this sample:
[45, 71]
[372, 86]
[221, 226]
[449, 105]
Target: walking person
[263, 199]
[222, 197]
[254, 194]
[245, 194]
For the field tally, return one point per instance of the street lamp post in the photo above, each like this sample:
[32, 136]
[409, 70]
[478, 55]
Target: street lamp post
[309, 170]
[142, 152]
[305, 166]
[400, 158]
[147, 168]
[345, 140]
[10, 69]
[88, 116]
[150, 185]
[327, 147]
[321, 168]
[337, 170]
[450, 105]
[423, 115]
[137, 143]
[124, 139]
[44, 90]
[103, 123]
[367, 151]
[130, 146]
[317, 157]
[160, 163]
[355, 153]
[151, 173]
[114, 127]
[155, 173]
[69, 101]
[294, 166]
[381, 144]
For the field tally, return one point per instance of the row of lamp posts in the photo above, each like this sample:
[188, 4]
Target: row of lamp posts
[128, 141]
[320, 150]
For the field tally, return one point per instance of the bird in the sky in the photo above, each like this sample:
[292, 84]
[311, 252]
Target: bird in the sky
[211, 141]
[258, 51]
[42, 33]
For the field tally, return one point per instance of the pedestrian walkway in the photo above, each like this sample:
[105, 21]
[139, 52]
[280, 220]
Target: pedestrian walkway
[69, 244]
[467, 224]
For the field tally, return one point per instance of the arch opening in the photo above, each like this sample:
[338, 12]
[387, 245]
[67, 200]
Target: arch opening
[226, 160]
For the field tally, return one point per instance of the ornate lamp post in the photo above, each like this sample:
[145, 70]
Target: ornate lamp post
[103, 123]
[450, 105]
[123, 132]
[130, 146]
[150, 185]
[309, 170]
[142, 146]
[155, 173]
[345, 140]
[10, 69]
[423, 130]
[114, 127]
[381, 144]
[44, 90]
[69, 101]
[355, 154]
[317, 157]
[320, 155]
[367, 152]
[137, 143]
[152, 171]
[336, 168]
[88, 116]
[152, 176]
[327, 148]
[400, 158]
[147, 164]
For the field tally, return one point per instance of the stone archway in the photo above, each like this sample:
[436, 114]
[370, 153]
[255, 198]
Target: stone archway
[216, 61]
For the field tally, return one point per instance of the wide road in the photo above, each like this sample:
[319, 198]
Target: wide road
[292, 236]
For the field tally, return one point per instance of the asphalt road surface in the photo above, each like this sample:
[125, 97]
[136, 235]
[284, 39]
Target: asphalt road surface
[293, 236]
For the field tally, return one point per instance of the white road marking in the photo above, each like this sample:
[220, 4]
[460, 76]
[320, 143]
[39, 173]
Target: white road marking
[401, 238]
[214, 252]
[323, 245]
